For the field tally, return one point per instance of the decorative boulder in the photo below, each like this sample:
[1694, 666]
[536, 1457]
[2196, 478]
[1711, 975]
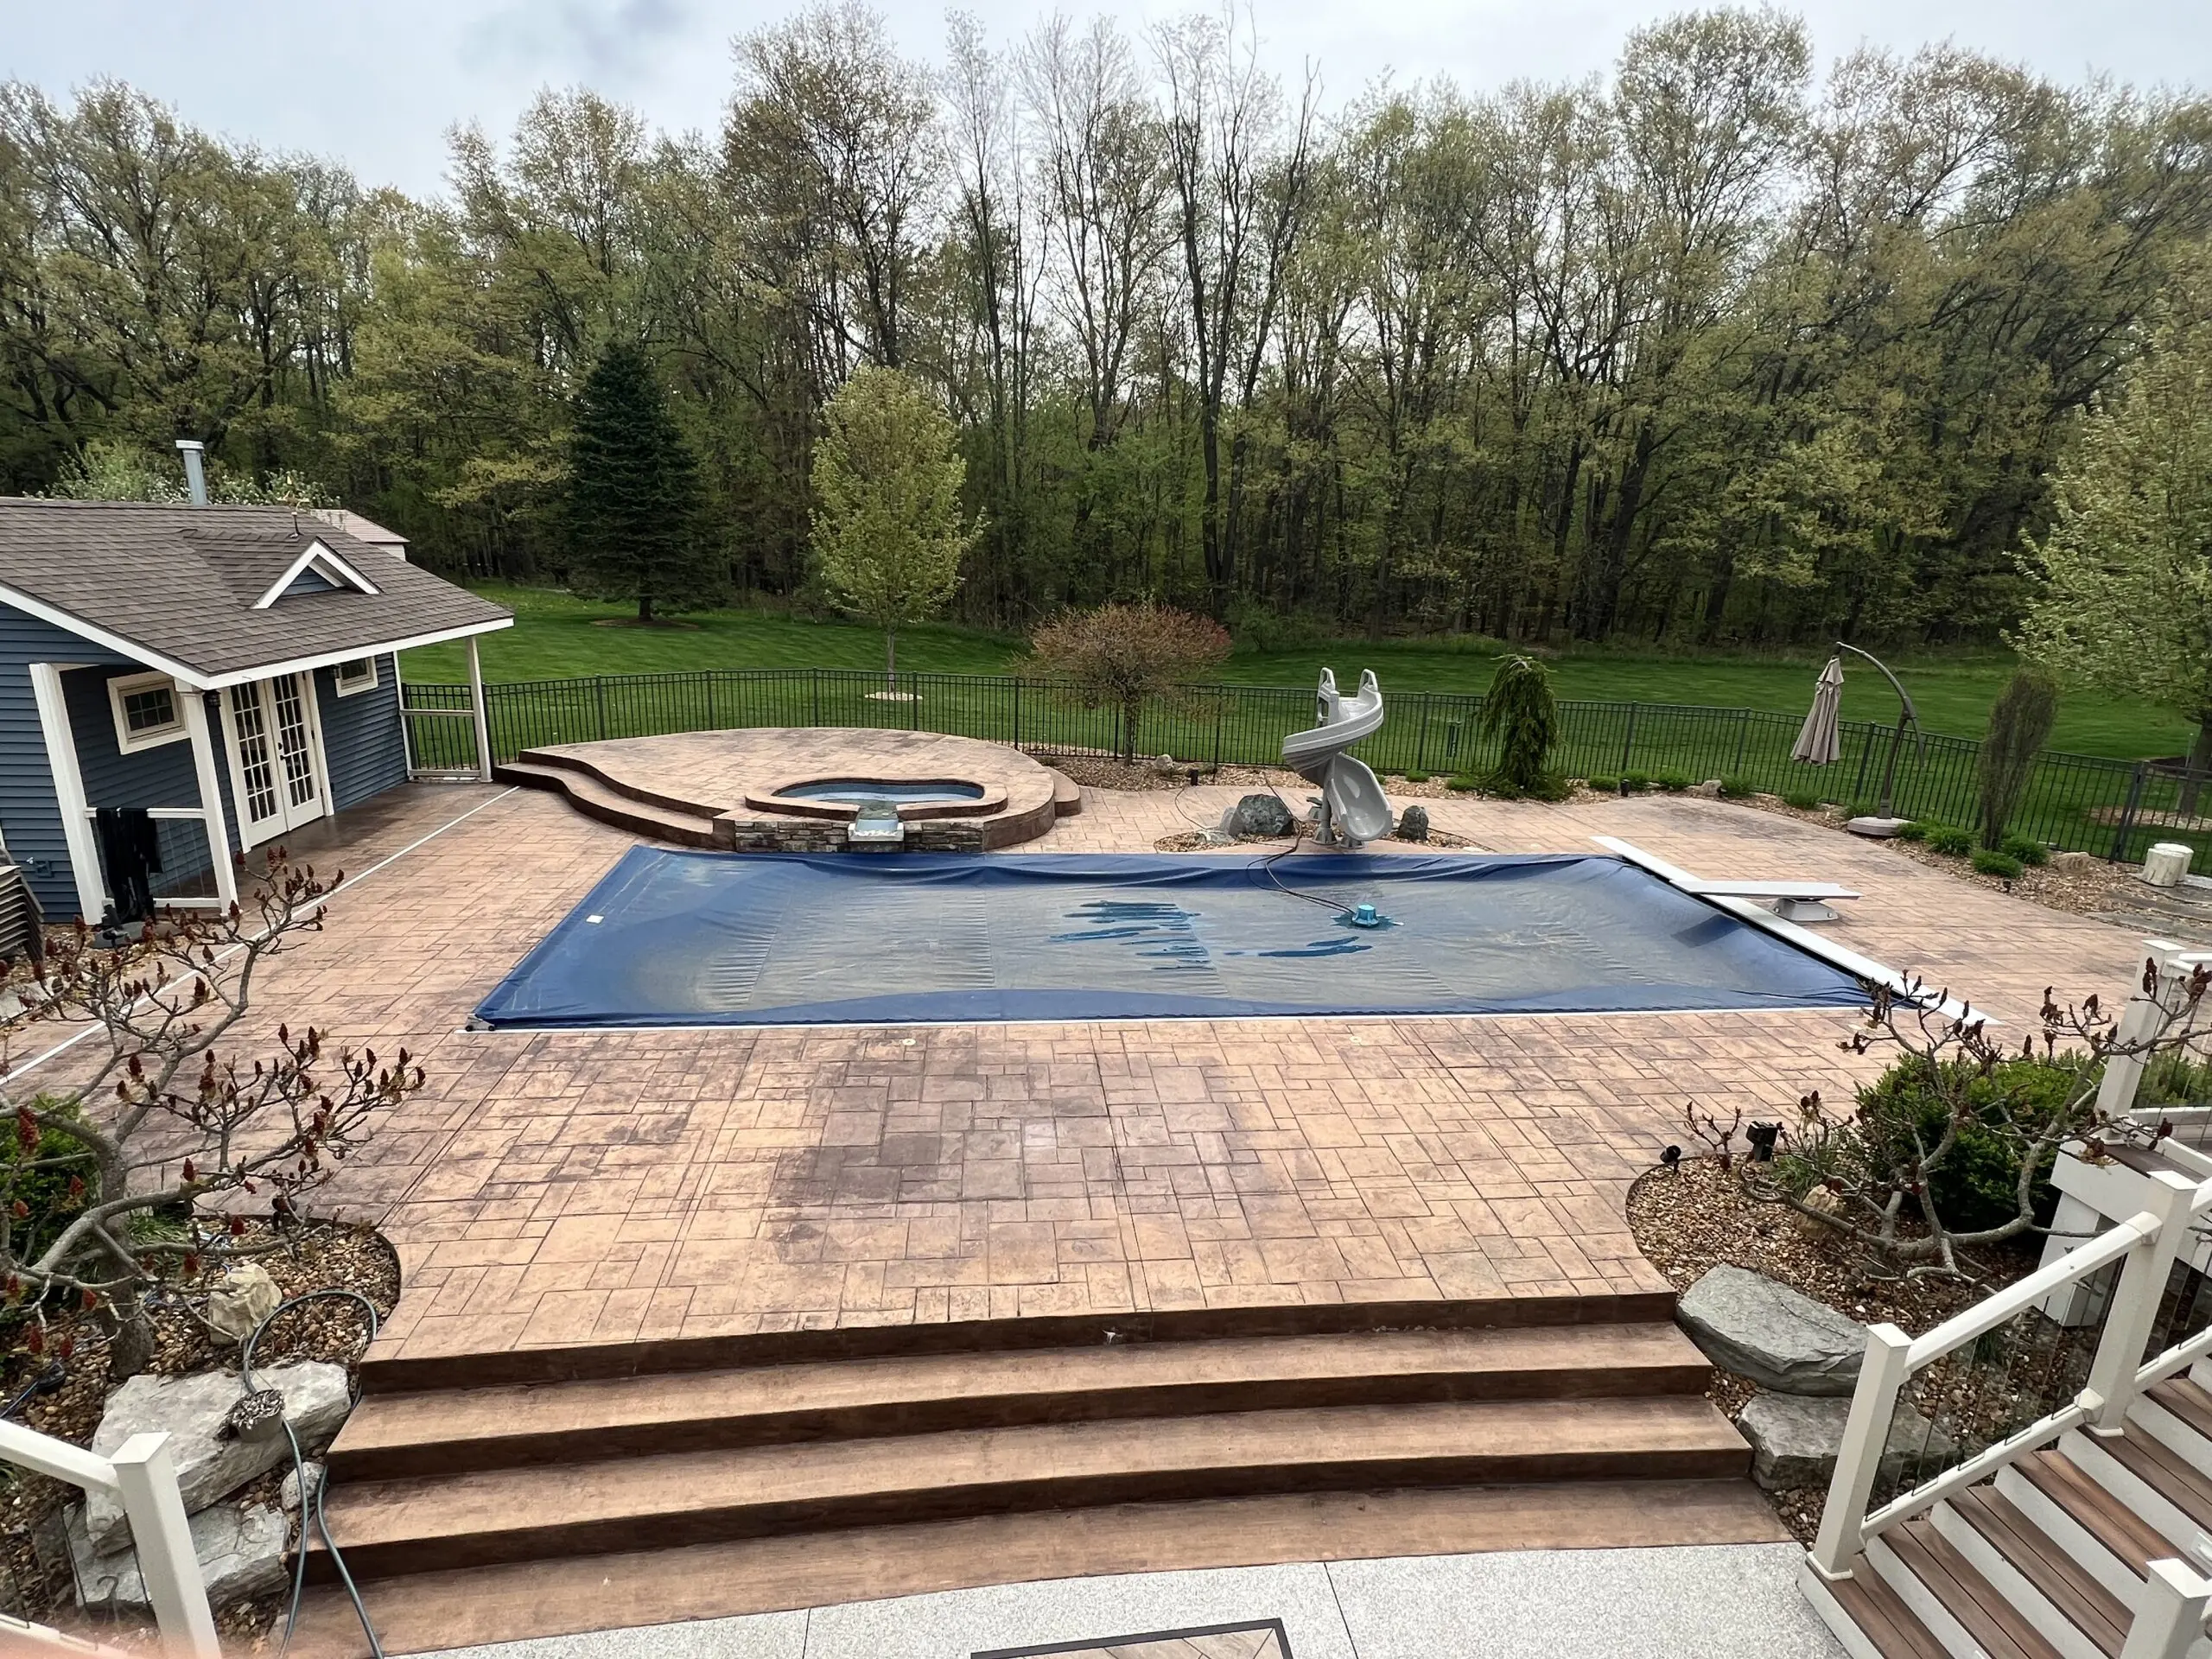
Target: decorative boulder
[1758, 1327]
[246, 1296]
[1413, 823]
[2074, 863]
[191, 1410]
[1795, 1440]
[1709, 790]
[1260, 814]
[241, 1555]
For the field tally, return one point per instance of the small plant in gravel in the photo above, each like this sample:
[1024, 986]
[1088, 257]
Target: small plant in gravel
[1914, 830]
[1861, 809]
[1736, 789]
[1801, 800]
[1949, 1149]
[1416, 776]
[1949, 840]
[1635, 783]
[1673, 782]
[2026, 849]
[165, 1140]
[1603, 783]
[1987, 862]
[1465, 782]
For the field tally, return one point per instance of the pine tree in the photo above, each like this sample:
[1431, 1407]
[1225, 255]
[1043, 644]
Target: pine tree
[633, 500]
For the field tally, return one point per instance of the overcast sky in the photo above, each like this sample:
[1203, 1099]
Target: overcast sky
[377, 86]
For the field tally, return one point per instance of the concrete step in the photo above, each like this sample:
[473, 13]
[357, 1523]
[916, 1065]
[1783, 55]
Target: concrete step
[597, 798]
[683, 1498]
[1067, 794]
[468, 1606]
[449, 1430]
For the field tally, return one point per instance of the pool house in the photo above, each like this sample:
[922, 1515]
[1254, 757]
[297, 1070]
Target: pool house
[177, 678]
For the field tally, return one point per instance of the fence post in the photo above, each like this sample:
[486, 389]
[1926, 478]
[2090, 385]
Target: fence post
[599, 696]
[1866, 1436]
[1220, 708]
[2139, 1021]
[1017, 712]
[162, 1538]
[1628, 742]
[2118, 854]
[712, 675]
[2135, 1300]
[1743, 738]
[1421, 743]
[2170, 1614]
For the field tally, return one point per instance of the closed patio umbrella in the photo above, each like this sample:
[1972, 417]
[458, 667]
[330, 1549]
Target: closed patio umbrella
[1820, 741]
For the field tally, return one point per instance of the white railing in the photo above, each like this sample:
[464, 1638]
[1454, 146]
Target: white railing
[140, 1477]
[2146, 1245]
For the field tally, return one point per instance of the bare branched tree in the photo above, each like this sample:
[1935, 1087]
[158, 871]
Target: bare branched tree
[1883, 1162]
[146, 1162]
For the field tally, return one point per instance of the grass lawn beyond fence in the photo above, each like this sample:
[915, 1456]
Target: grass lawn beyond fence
[557, 635]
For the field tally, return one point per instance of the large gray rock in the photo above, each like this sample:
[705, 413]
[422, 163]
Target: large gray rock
[1758, 1327]
[190, 1411]
[1795, 1439]
[241, 1555]
[1413, 823]
[1260, 814]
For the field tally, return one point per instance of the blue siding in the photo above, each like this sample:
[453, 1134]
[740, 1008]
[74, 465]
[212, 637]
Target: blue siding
[30, 817]
[361, 735]
[162, 776]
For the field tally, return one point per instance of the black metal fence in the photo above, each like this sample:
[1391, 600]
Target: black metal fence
[2113, 808]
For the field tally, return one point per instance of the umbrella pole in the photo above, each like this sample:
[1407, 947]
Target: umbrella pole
[1889, 770]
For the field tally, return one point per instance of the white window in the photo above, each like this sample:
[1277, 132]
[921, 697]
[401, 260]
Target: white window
[358, 675]
[149, 711]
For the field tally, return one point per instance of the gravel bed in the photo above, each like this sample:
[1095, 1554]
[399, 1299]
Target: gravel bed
[316, 1256]
[2077, 892]
[1687, 1222]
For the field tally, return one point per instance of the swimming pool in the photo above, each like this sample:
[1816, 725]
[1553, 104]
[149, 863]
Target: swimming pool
[722, 938]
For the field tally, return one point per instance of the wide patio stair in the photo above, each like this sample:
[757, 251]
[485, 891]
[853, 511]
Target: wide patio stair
[566, 1484]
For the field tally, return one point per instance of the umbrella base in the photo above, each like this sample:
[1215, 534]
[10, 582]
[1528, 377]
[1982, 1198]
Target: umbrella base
[1876, 829]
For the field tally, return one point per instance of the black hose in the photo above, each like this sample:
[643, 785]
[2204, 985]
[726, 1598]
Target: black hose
[300, 1467]
[1266, 865]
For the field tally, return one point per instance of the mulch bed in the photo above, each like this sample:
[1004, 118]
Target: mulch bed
[1688, 1221]
[315, 1256]
[2077, 891]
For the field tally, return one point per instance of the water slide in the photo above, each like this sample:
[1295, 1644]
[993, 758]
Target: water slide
[1353, 807]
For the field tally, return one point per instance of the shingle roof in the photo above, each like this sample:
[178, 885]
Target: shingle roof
[179, 584]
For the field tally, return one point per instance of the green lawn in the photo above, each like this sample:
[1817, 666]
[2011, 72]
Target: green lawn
[555, 637]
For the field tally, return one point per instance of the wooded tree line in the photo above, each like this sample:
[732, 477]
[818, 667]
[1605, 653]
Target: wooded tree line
[1713, 349]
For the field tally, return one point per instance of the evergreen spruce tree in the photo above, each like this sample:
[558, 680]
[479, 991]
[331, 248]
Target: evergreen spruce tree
[633, 501]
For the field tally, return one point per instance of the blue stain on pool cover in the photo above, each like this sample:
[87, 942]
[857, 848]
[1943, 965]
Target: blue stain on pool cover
[749, 938]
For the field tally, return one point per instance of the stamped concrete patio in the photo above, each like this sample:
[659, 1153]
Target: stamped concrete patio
[558, 1188]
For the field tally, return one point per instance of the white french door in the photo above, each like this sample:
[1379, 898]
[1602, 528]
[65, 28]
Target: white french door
[274, 755]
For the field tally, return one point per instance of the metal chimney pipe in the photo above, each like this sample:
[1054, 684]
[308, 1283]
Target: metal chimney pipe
[195, 470]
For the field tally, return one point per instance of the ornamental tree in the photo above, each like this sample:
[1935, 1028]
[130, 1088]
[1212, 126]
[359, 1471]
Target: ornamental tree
[889, 532]
[145, 1160]
[1124, 656]
[2124, 600]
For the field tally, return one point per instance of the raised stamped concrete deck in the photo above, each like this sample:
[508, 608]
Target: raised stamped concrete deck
[554, 1188]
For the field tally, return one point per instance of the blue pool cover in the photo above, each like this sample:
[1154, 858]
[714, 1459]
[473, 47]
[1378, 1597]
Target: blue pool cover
[739, 939]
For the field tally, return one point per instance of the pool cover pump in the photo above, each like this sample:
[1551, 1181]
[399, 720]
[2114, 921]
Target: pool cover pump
[1366, 916]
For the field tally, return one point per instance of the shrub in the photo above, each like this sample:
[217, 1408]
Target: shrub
[1604, 786]
[2019, 725]
[1946, 838]
[1124, 656]
[1737, 789]
[1862, 809]
[1635, 783]
[1416, 776]
[1989, 863]
[1914, 831]
[1673, 782]
[1521, 713]
[2026, 849]
[1552, 786]
[1803, 799]
[1463, 781]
